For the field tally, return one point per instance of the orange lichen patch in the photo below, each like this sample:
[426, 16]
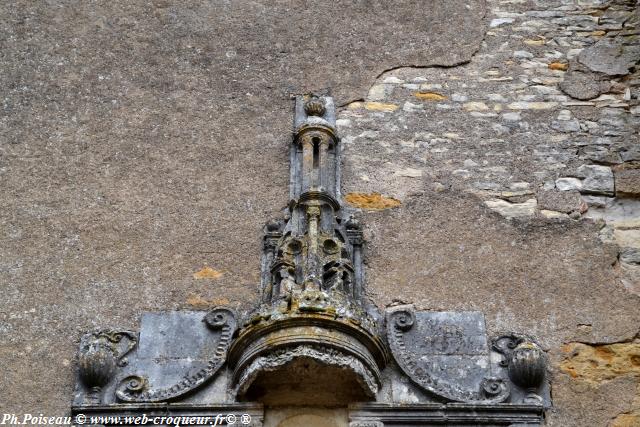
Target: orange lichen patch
[599, 33]
[626, 420]
[380, 106]
[371, 201]
[197, 301]
[429, 96]
[597, 363]
[559, 66]
[207, 273]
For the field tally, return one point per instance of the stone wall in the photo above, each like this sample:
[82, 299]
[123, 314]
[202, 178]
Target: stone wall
[540, 127]
[492, 147]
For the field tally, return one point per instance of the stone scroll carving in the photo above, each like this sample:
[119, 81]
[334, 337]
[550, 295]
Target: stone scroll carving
[445, 354]
[137, 388]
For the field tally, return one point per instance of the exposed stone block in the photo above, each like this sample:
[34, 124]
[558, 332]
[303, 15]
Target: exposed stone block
[598, 363]
[568, 184]
[380, 106]
[629, 242]
[596, 179]
[581, 85]
[627, 182]
[430, 96]
[512, 210]
[553, 214]
[610, 56]
[561, 201]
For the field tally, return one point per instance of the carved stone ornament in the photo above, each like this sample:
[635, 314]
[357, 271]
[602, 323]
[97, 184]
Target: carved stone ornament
[174, 354]
[446, 354]
[279, 358]
[525, 361]
[100, 354]
[136, 388]
[312, 303]
[313, 338]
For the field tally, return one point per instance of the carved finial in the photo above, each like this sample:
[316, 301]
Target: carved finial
[101, 353]
[314, 106]
[527, 366]
[526, 363]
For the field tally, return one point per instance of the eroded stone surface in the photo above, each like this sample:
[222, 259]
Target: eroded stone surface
[627, 182]
[598, 363]
[598, 404]
[601, 370]
[561, 201]
[500, 268]
[581, 85]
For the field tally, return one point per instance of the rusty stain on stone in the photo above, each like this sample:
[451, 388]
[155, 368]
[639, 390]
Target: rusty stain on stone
[198, 301]
[371, 201]
[597, 363]
[207, 273]
[429, 96]
[561, 66]
[626, 420]
[380, 106]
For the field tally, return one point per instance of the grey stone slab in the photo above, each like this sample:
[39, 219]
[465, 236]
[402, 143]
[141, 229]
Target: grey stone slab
[596, 179]
[610, 56]
[175, 335]
[451, 333]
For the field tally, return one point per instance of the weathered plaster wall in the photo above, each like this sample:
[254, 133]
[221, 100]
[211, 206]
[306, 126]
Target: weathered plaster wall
[144, 145]
[513, 132]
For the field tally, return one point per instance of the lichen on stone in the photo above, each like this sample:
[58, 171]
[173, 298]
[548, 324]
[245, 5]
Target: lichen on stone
[371, 201]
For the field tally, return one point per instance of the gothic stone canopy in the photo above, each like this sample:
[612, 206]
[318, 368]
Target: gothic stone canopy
[314, 338]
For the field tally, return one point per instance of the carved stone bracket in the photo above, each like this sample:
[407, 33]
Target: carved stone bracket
[430, 349]
[136, 388]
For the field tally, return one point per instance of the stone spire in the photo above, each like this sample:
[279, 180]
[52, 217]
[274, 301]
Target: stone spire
[316, 256]
[312, 271]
